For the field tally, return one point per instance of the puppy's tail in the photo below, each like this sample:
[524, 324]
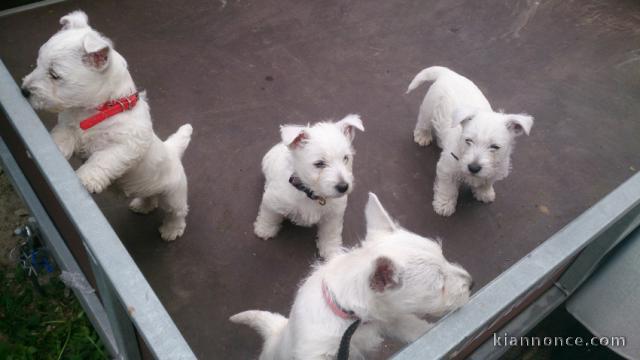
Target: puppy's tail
[266, 323]
[179, 141]
[428, 74]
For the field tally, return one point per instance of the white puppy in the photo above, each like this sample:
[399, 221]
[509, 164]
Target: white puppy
[476, 141]
[307, 179]
[389, 283]
[103, 119]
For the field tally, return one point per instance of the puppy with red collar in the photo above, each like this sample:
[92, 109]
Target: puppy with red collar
[103, 119]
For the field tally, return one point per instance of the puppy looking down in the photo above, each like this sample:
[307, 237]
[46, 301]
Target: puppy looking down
[476, 141]
[388, 284]
[103, 119]
[307, 179]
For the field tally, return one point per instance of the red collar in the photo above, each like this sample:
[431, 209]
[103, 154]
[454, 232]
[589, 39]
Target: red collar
[108, 109]
[334, 306]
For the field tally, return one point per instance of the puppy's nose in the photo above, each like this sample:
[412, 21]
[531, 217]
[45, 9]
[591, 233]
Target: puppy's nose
[471, 284]
[25, 92]
[342, 187]
[474, 168]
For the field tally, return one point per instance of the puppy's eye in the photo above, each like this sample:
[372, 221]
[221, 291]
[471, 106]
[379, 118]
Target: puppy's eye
[54, 75]
[346, 159]
[320, 164]
[468, 141]
[494, 147]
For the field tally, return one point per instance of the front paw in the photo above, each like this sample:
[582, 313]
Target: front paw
[172, 230]
[327, 251]
[64, 141]
[444, 207]
[265, 231]
[66, 150]
[412, 332]
[486, 196]
[422, 137]
[93, 184]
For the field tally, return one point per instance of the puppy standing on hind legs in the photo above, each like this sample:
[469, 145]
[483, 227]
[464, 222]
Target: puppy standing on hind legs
[476, 142]
[389, 283]
[308, 177]
[103, 119]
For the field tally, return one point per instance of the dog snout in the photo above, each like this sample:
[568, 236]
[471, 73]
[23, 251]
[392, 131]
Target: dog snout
[471, 283]
[342, 187]
[25, 92]
[474, 168]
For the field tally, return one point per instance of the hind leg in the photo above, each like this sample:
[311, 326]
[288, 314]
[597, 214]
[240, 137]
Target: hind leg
[141, 205]
[174, 204]
[422, 133]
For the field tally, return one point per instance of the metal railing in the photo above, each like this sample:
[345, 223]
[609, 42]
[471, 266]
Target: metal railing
[126, 305]
[543, 279]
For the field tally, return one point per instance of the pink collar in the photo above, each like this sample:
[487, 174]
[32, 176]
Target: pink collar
[334, 306]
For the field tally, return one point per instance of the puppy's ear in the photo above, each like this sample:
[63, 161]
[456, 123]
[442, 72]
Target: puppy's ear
[377, 217]
[96, 51]
[519, 123]
[294, 136]
[462, 115]
[349, 124]
[384, 276]
[74, 20]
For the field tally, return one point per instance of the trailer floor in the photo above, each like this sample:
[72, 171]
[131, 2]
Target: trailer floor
[237, 69]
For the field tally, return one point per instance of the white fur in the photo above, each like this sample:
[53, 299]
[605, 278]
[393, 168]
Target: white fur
[465, 125]
[122, 149]
[422, 282]
[301, 148]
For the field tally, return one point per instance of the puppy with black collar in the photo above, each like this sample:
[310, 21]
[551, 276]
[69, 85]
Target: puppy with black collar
[476, 141]
[308, 177]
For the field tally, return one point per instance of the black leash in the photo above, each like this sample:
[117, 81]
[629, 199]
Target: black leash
[454, 156]
[343, 350]
[298, 184]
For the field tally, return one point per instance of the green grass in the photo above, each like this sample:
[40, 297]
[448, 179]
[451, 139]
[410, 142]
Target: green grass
[49, 326]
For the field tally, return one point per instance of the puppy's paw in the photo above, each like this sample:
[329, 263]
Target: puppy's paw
[171, 231]
[265, 231]
[444, 207]
[328, 246]
[143, 205]
[66, 150]
[64, 141]
[422, 137]
[93, 184]
[485, 195]
[327, 252]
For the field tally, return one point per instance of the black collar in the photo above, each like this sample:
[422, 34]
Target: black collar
[298, 184]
